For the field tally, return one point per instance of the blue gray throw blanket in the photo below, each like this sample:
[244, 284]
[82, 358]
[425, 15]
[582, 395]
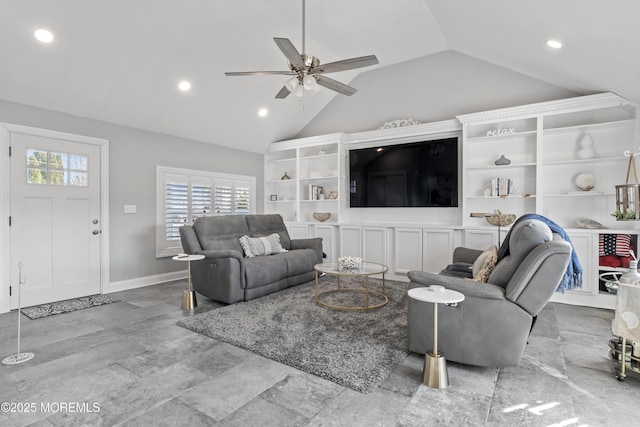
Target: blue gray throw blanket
[573, 277]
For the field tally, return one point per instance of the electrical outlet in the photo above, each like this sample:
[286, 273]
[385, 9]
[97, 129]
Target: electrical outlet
[130, 209]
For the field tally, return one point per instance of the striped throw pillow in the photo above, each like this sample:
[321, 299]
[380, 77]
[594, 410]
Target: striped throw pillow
[614, 244]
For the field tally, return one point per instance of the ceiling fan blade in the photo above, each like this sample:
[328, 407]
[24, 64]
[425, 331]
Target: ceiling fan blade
[258, 73]
[335, 85]
[284, 92]
[346, 64]
[290, 52]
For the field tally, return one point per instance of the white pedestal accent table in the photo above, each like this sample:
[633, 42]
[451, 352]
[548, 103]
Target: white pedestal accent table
[435, 373]
[189, 297]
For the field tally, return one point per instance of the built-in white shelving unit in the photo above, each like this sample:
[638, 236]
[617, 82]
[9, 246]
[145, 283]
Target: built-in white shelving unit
[549, 145]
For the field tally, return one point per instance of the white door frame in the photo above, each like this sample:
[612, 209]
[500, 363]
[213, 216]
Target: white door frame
[6, 129]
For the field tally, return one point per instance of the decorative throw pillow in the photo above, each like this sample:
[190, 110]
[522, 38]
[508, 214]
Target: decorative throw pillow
[614, 244]
[258, 246]
[484, 264]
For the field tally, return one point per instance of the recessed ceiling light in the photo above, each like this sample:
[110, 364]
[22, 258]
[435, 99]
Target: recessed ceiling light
[263, 112]
[379, 149]
[184, 85]
[45, 36]
[554, 44]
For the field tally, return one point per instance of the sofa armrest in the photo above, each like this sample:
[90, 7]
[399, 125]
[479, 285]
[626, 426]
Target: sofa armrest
[189, 240]
[220, 275]
[469, 288]
[222, 253]
[466, 255]
[314, 243]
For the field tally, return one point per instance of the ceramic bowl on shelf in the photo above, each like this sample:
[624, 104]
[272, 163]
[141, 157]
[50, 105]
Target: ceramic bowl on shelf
[350, 261]
[321, 216]
[500, 219]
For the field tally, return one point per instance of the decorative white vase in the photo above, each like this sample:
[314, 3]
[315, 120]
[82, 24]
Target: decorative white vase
[586, 150]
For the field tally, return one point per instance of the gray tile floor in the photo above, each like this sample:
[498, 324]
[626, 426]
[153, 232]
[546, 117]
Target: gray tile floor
[139, 368]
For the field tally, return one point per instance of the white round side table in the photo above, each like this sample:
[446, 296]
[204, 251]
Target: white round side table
[435, 373]
[189, 297]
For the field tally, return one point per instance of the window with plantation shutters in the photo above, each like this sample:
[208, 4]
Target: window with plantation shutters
[176, 208]
[186, 195]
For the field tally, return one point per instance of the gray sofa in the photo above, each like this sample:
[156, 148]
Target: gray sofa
[226, 275]
[492, 325]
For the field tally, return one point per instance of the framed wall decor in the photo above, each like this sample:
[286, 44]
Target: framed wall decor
[274, 198]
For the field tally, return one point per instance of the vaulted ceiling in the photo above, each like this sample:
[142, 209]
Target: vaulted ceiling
[120, 61]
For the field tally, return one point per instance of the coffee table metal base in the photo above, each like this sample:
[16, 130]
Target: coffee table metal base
[366, 307]
[364, 270]
[435, 373]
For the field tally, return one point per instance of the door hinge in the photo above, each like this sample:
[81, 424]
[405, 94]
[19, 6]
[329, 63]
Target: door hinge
[9, 151]
[10, 291]
[9, 221]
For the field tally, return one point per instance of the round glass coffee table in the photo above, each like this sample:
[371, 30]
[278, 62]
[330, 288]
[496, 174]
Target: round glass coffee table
[364, 270]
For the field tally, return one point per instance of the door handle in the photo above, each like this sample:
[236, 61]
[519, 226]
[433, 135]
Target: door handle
[96, 232]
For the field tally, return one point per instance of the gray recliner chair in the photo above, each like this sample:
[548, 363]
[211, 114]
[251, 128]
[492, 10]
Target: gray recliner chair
[492, 325]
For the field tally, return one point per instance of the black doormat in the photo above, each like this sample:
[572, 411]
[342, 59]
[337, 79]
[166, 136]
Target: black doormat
[45, 310]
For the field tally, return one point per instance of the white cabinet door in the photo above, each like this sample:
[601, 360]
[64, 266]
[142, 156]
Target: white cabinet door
[408, 249]
[480, 239]
[350, 240]
[582, 244]
[437, 249]
[298, 231]
[374, 244]
[328, 234]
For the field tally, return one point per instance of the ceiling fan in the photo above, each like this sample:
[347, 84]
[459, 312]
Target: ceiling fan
[307, 71]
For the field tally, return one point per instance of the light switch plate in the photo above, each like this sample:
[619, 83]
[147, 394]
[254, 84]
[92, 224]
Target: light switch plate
[130, 209]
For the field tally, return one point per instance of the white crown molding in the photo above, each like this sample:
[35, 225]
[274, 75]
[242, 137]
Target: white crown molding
[395, 134]
[580, 103]
[306, 142]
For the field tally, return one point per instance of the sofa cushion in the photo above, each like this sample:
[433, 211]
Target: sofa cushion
[264, 225]
[221, 232]
[262, 270]
[300, 261]
[258, 246]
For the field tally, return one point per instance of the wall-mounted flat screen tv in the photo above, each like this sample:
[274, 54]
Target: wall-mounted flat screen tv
[416, 174]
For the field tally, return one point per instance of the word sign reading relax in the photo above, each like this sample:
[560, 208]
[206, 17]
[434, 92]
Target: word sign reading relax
[501, 131]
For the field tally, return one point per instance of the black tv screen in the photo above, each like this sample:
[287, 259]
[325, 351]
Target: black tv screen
[416, 174]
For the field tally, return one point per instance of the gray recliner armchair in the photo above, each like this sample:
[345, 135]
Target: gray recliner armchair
[492, 325]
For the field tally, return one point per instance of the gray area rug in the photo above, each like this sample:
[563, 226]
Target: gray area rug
[44, 310]
[357, 350]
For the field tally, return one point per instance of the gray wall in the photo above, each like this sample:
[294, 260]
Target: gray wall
[431, 88]
[133, 156]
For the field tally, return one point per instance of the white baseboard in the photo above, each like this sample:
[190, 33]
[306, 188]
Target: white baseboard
[125, 285]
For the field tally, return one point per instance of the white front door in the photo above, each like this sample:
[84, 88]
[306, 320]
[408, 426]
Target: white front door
[55, 227]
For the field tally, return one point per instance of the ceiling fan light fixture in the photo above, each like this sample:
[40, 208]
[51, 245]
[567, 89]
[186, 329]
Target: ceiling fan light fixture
[309, 82]
[292, 84]
[298, 91]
